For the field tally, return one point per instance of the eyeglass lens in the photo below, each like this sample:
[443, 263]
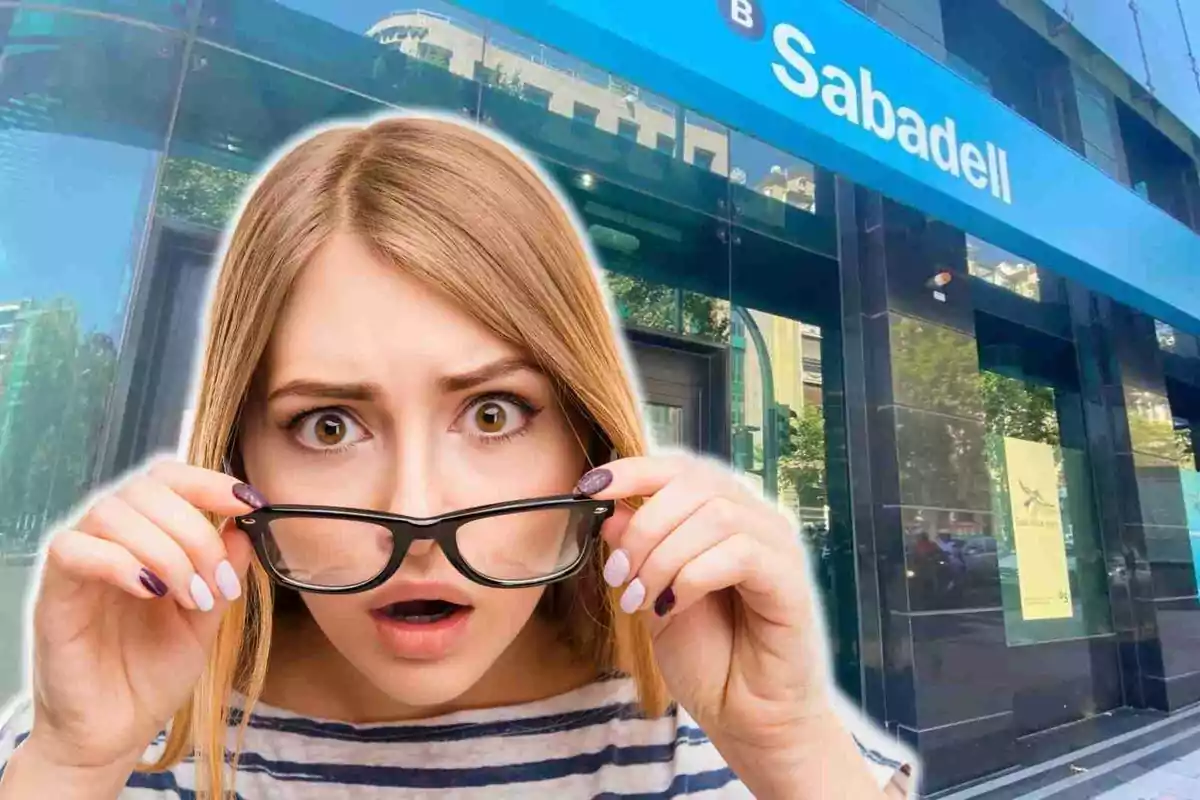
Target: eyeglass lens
[332, 553]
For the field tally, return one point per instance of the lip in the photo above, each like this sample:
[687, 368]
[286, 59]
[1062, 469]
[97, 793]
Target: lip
[421, 641]
[429, 641]
[419, 590]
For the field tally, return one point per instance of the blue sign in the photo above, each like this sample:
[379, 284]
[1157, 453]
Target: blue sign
[820, 79]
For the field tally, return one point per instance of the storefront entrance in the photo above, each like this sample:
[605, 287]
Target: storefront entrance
[682, 392]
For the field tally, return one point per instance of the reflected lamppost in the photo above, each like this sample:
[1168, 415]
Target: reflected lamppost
[770, 427]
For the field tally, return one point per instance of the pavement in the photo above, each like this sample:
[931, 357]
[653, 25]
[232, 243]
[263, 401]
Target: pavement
[1126, 754]
[1176, 780]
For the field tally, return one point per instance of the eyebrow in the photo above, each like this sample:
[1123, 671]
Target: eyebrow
[306, 387]
[485, 373]
[366, 391]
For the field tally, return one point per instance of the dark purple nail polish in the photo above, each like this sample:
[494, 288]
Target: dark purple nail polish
[154, 584]
[595, 481]
[665, 602]
[249, 495]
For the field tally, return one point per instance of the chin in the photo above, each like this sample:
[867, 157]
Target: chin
[426, 684]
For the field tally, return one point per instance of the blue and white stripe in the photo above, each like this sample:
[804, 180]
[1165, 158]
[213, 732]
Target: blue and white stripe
[591, 742]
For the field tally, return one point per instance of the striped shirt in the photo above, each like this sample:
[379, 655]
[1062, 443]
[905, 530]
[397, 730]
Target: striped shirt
[589, 742]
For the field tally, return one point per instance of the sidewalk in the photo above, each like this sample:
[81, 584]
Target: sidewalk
[1156, 760]
[1176, 780]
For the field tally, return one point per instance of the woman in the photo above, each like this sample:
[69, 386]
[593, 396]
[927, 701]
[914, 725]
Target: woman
[407, 324]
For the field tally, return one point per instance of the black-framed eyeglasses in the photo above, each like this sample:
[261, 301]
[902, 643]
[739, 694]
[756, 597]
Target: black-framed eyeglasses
[515, 544]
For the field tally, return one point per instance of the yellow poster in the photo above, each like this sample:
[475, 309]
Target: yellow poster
[1037, 527]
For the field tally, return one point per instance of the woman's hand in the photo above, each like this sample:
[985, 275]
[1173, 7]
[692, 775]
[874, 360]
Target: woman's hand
[725, 584]
[129, 604]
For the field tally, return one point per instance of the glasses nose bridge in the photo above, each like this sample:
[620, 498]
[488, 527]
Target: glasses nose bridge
[420, 537]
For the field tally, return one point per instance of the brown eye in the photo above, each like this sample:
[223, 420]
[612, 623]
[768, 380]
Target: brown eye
[490, 417]
[495, 419]
[330, 429]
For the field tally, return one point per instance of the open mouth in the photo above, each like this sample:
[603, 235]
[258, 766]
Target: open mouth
[421, 612]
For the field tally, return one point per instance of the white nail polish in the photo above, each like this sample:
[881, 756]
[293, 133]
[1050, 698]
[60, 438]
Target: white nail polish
[201, 594]
[227, 581]
[616, 569]
[634, 596]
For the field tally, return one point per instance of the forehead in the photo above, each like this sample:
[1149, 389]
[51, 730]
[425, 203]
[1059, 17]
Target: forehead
[349, 310]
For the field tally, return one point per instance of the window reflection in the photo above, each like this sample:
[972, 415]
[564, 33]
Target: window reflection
[1026, 411]
[87, 109]
[1168, 54]
[571, 88]
[426, 56]
[777, 412]
[655, 306]
[84, 104]
[1152, 429]
[570, 112]
[1002, 268]
[934, 367]
[169, 13]
[1167, 338]
[771, 173]
[1110, 26]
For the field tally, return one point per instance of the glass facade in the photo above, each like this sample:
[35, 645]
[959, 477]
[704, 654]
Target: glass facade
[1152, 41]
[873, 368]
[147, 140]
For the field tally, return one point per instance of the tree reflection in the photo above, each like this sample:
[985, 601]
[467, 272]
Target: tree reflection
[54, 387]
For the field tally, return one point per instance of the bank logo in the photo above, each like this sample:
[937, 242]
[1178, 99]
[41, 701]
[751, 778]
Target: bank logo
[745, 17]
[854, 95]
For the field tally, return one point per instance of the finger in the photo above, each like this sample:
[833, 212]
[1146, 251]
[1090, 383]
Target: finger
[204, 488]
[81, 558]
[666, 511]
[709, 525]
[742, 562]
[241, 553]
[114, 520]
[188, 526]
[636, 476]
[611, 530]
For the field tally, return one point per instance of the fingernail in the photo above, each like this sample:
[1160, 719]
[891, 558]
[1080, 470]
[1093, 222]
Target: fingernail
[227, 581]
[665, 602]
[616, 569]
[594, 481]
[249, 495]
[201, 594]
[154, 584]
[634, 596]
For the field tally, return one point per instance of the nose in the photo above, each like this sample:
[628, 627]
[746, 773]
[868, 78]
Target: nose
[415, 484]
[412, 484]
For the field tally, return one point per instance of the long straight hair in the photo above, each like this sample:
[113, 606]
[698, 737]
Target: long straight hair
[461, 210]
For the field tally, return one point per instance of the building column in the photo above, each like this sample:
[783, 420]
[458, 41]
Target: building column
[1152, 583]
[936, 674]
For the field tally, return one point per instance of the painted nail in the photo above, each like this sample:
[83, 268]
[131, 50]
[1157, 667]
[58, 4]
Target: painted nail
[249, 495]
[634, 596]
[154, 584]
[201, 594]
[616, 569]
[665, 602]
[227, 581]
[594, 481]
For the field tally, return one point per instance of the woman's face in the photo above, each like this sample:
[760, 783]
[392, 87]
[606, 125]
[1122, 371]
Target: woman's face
[376, 393]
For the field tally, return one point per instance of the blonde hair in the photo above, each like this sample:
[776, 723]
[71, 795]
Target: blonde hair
[461, 211]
